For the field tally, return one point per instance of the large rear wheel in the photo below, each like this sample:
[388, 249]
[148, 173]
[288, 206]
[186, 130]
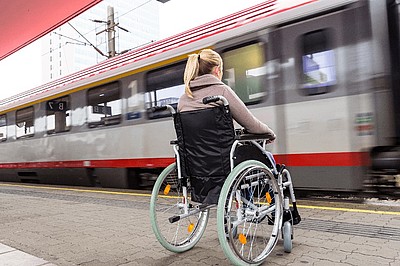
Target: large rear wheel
[166, 204]
[249, 214]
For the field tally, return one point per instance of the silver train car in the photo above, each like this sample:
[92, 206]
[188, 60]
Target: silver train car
[323, 74]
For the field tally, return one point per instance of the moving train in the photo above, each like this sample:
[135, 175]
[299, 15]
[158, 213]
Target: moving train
[323, 74]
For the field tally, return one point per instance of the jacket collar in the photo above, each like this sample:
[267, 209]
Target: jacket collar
[204, 81]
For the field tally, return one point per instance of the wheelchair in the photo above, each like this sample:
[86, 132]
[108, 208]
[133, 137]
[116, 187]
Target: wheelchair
[252, 198]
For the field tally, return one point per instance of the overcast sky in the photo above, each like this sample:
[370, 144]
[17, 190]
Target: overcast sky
[22, 70]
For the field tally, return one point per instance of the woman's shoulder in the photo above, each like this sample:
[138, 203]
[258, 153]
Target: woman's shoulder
[228, 91]
[182, 101]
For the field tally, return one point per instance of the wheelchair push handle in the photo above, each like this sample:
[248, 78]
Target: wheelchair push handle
[213, 99]
[168, 107]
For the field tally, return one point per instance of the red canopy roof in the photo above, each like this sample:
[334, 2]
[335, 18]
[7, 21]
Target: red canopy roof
[24, 21]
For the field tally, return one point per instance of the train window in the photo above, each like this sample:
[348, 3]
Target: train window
[104, 105]
[244, 72]
[135, 102]
[24, 122]
[164, 86]
[318, 63]
[58, 115]
[3, 127]
[165, 96]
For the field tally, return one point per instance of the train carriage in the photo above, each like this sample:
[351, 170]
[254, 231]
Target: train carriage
[323, 74]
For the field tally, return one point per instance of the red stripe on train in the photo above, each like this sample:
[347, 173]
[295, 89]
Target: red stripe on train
[310, 159]
[325, 159]
[106, 163]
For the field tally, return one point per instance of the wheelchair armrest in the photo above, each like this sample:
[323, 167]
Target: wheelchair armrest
[249, 136]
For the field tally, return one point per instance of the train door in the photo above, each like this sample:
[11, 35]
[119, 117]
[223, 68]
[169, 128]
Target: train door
[323, 64]
[393, 8]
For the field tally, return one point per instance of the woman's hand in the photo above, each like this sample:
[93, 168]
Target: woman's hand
[271, 138]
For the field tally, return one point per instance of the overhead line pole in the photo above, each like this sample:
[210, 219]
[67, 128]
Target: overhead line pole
[111, 31]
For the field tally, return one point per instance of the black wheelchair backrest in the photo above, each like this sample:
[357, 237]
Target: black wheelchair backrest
[205, 139]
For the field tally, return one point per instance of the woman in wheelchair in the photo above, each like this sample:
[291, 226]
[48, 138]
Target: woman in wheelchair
[202, 78]
[218, 166]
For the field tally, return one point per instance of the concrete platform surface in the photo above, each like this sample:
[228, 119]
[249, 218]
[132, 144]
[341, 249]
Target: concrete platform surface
[67, 226]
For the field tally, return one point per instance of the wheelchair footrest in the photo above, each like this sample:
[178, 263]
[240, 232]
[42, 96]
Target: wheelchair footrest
[292, 215]
[295, 215]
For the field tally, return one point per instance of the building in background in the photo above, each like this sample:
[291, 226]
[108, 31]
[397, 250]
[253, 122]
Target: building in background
[65, 51]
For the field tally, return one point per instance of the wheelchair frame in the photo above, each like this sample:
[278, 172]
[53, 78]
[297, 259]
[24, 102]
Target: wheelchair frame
[253, 208]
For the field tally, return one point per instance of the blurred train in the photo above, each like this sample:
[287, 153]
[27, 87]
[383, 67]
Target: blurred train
[323, 74]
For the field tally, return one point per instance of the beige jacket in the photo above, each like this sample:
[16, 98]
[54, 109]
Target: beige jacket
[209, 85]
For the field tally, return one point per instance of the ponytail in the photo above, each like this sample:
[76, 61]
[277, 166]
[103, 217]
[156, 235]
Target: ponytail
[191, 72]
[197, 66]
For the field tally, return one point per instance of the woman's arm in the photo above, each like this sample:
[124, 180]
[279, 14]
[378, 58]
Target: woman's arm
[243, 116]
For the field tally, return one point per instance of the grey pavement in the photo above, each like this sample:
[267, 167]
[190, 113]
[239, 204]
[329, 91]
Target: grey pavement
[68, 227]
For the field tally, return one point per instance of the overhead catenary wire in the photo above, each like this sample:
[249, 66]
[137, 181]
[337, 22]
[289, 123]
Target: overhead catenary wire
[103, 42]
[70, 38]
[97, 49]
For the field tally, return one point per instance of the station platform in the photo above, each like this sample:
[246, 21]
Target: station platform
[53, 225]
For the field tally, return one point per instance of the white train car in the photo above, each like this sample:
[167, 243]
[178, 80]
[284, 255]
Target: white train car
[323, 74]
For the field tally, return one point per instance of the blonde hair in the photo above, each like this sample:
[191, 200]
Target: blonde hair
[198, 65]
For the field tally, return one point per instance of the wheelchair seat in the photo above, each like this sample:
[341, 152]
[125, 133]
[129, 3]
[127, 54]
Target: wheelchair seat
[205, 138]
